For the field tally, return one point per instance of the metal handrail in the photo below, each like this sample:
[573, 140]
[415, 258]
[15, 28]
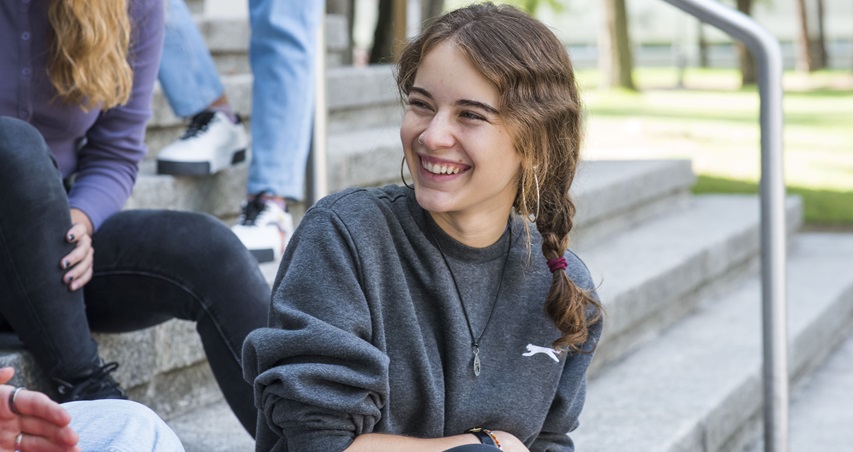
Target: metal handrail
[318, 185]
[768, 59]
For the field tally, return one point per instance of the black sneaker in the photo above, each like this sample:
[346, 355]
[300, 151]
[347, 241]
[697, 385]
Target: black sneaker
[98, 385]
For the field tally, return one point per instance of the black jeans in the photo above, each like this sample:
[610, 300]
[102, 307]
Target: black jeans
[150, 266]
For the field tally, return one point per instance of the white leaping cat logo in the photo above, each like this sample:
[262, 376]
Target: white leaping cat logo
[534, 349]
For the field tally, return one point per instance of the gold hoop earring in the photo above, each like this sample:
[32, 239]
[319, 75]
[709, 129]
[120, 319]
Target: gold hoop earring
[402, 165]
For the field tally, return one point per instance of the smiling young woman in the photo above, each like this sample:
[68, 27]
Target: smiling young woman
[419, 319]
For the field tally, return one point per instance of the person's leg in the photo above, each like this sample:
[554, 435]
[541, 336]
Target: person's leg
[187, 73]
[120, 425]
[282, 51]
[151, 266]
[34, 218]
[215, 137]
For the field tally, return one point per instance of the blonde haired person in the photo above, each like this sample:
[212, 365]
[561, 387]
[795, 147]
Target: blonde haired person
[76, 93]
[449, 314]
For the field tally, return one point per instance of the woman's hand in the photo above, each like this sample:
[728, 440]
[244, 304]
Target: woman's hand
[509, 442]
[79, 261]
[41, 421]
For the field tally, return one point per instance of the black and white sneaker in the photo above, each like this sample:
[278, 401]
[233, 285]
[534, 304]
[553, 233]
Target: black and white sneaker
[264, 227]
[211, 143]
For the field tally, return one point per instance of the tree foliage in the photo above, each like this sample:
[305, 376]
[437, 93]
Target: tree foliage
[532, 6]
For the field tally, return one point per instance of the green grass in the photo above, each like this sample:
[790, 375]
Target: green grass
[821, 207]
[714, 123]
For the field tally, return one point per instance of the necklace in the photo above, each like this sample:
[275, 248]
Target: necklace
[475, 340]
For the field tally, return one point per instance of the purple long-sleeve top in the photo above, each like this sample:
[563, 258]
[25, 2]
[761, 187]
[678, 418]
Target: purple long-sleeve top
[103, 147]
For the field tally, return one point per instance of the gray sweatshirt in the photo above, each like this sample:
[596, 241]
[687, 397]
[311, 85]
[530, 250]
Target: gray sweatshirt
[368, 334]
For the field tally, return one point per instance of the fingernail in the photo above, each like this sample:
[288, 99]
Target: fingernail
[66, 263]
[74, 286]
[70, 237]
[68, 279]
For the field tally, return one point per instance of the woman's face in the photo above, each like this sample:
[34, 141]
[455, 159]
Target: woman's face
[459, 150]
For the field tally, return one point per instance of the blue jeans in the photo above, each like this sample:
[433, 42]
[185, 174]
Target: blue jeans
[281, 52]
[187, 73]
[150, 266]
[120, 426]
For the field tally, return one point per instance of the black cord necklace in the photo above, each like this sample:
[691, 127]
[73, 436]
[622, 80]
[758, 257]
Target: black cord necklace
[475, 340]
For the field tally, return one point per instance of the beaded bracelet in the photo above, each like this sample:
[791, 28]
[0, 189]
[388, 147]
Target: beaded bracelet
[485, 436]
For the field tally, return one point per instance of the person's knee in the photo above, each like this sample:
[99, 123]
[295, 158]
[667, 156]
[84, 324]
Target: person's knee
[199, 236]
[20, 142]
[120, 425]
[217, 239]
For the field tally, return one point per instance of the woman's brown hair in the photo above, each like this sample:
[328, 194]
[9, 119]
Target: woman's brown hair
[541, 106]
[89, 65]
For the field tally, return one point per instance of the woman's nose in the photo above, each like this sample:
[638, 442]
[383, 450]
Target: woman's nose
[438, 134]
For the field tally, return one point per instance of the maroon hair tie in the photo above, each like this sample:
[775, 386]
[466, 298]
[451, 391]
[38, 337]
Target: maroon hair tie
[557, 264]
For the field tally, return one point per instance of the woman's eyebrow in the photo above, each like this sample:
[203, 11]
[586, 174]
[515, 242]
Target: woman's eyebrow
[460, 102]
[478, 104]
[420, 91]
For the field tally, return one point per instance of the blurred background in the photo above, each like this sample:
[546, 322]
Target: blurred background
[660, 84]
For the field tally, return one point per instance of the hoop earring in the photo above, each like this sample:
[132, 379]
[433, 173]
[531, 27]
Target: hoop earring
[536, 179]
[532, 217]
[402, 165]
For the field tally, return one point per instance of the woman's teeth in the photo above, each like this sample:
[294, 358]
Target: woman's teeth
[440, 168]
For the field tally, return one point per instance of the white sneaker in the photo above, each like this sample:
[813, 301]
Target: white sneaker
[211, 142]
[265, 228]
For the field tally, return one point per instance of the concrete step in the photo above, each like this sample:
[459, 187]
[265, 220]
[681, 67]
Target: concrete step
[219, 195]
[653, 273]
[228, 41]
[697, 386]
[609, 195]
[613, 195]
[820, 414]
[211, 428]
[163, 367]
[357, 98]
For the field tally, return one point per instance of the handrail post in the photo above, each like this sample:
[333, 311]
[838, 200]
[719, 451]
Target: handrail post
[768, 58]
[318, 172]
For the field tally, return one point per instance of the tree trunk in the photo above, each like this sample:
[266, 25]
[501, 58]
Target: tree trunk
[805, 62]
[383, 35]
[390, 24]
[820, 53]
[615, 61]
[430, 10]
[703, 46]
[745, 59]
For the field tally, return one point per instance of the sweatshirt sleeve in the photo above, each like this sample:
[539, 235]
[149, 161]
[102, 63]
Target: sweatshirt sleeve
[319, 381]
[109, 160]
[563, 415]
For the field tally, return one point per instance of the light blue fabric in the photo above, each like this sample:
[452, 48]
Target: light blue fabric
[187, 72]
[120, 426]
[282, 51]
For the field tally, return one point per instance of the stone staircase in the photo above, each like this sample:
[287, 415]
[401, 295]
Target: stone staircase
[679, 368]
